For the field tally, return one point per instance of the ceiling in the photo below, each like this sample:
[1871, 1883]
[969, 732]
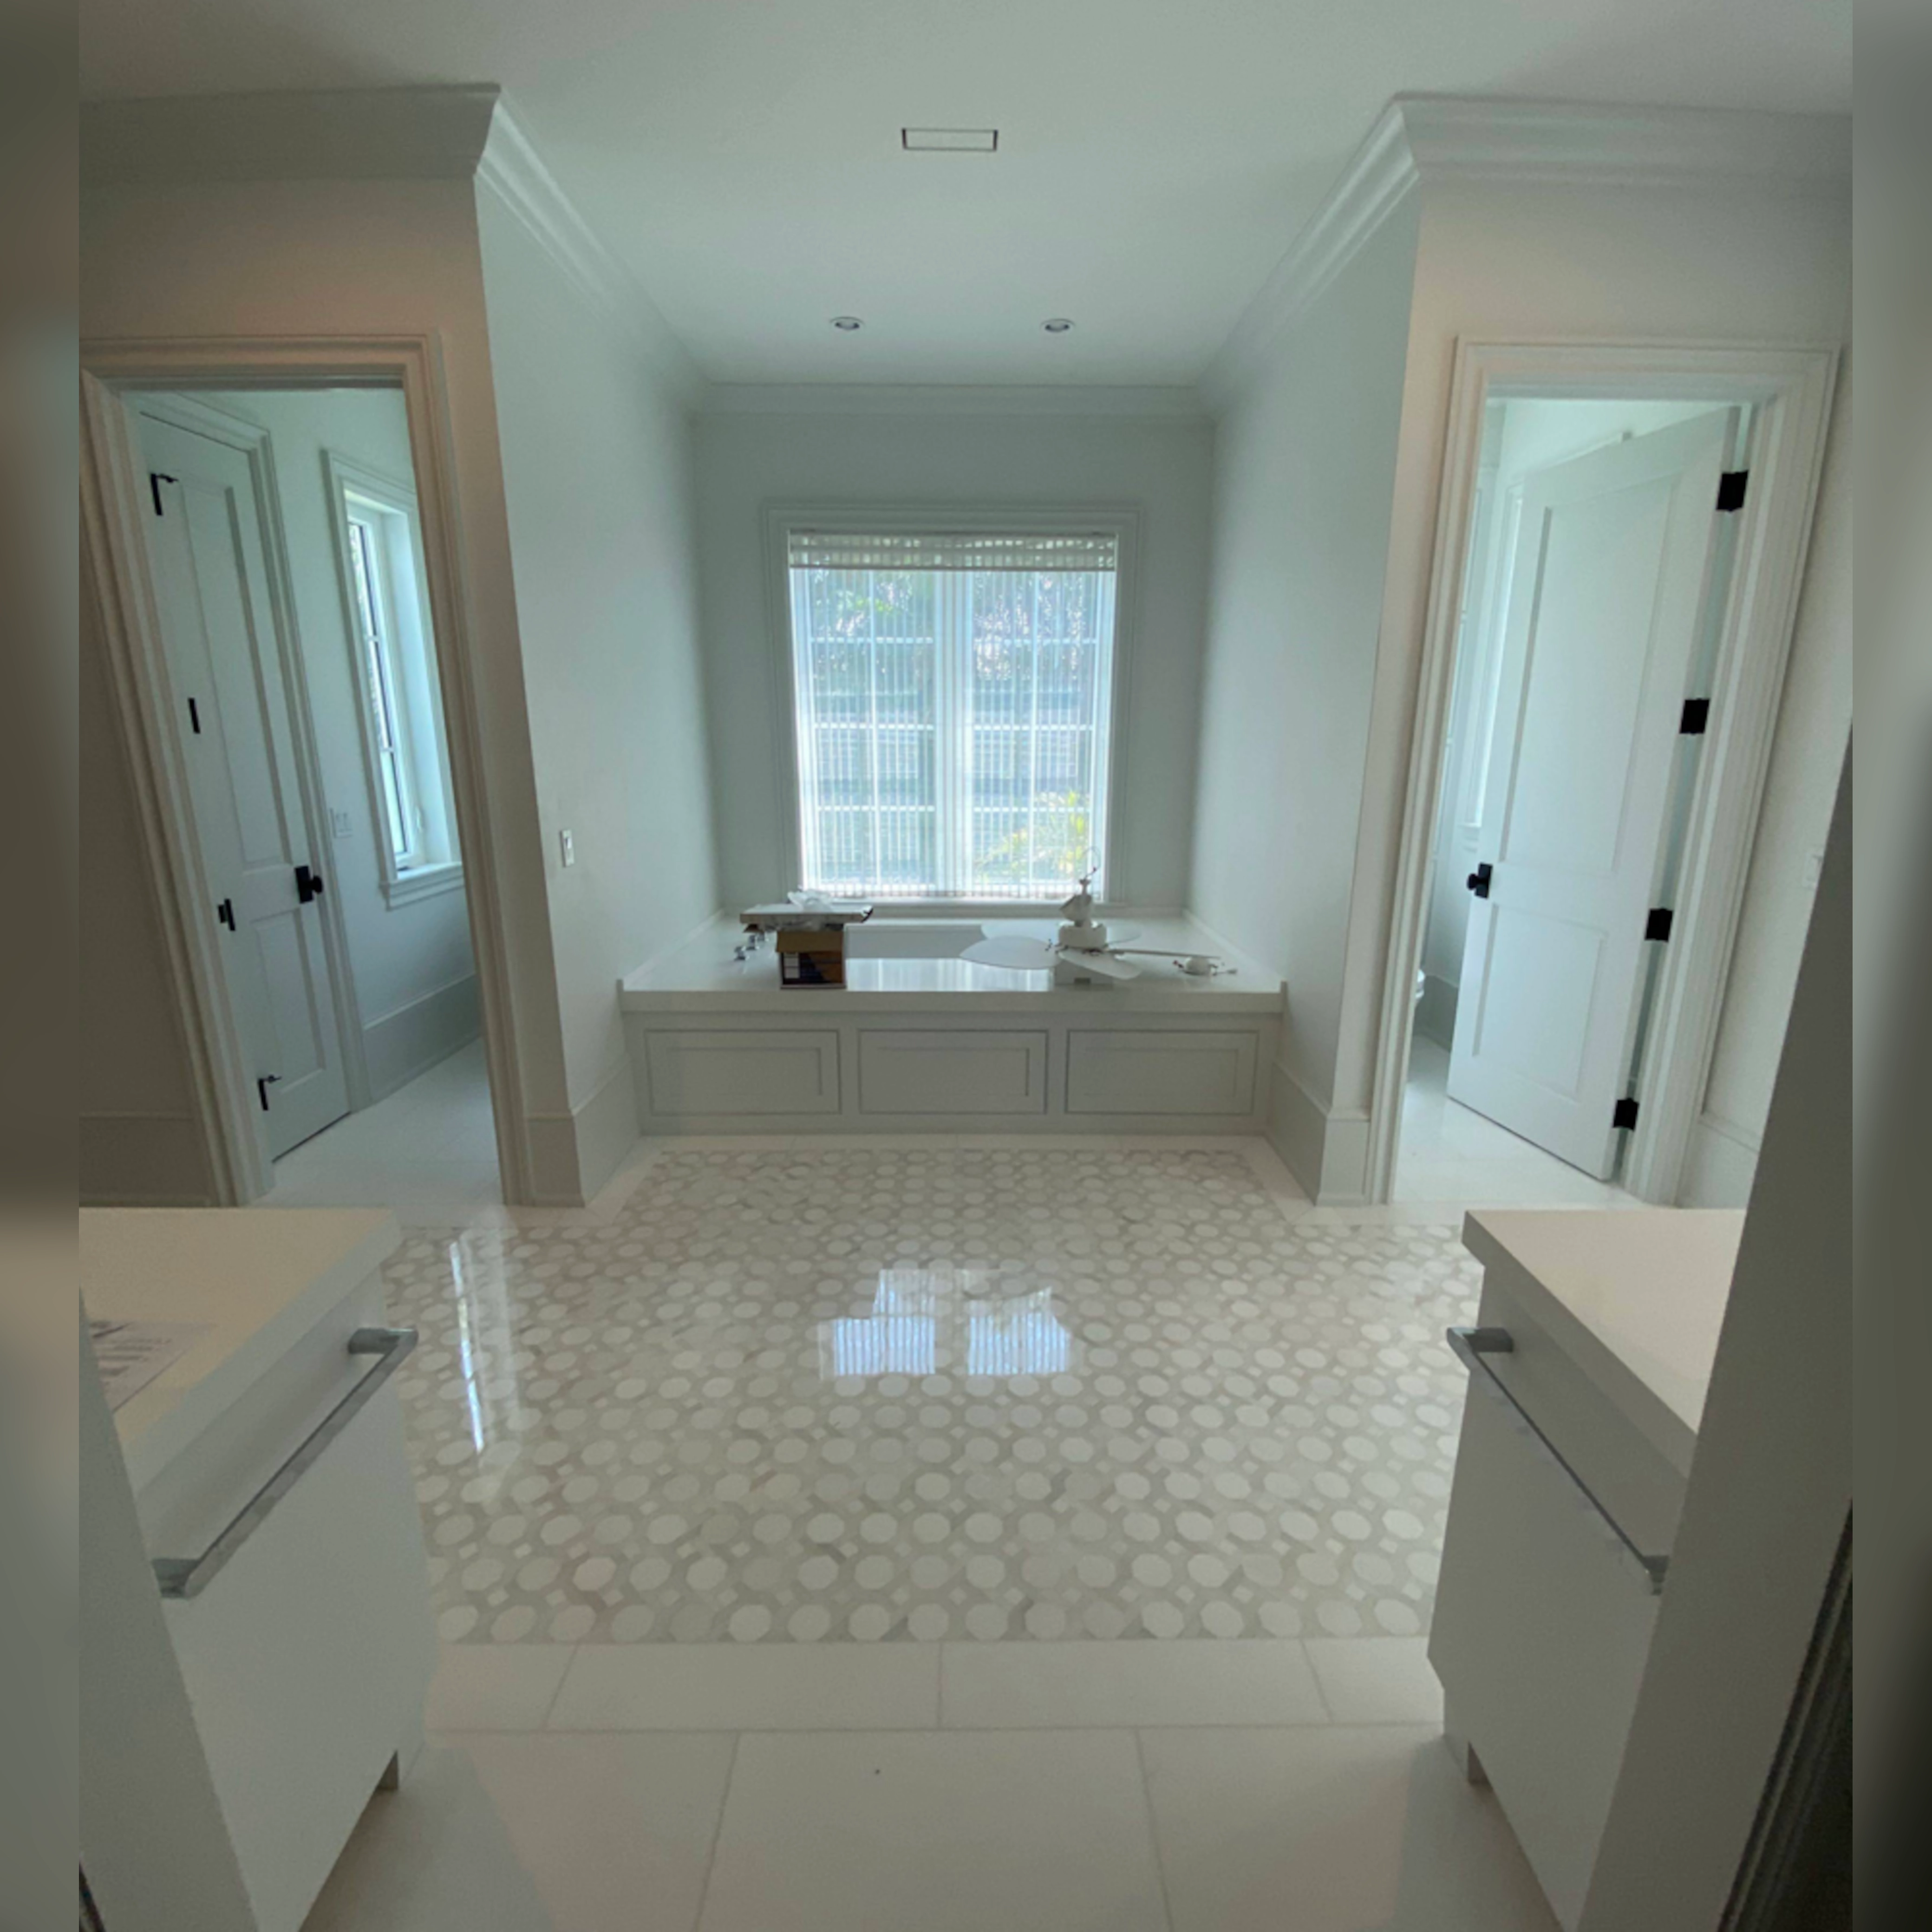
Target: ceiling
[1157, 158]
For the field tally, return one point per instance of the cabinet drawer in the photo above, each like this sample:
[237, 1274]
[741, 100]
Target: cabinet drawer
[1121, 1071]
[743, 1071]
[967, 1072]
[1541, 1633]
[306, 1658]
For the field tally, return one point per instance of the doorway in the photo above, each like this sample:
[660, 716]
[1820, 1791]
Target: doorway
[285, 543]
[1601, 677]
[291, 675]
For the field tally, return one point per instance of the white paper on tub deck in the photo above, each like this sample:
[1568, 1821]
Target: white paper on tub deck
[811, 911]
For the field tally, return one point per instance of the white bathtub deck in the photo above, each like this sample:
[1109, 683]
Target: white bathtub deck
[701, 975]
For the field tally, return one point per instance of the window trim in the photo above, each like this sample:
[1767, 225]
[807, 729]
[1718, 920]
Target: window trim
[346, 477]
[1121, 521]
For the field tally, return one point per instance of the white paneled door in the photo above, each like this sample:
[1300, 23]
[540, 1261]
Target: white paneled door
[1612, 572]
[259, 855]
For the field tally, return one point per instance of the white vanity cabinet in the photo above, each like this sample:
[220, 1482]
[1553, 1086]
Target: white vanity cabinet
[1587, 1363]
[276, 1502]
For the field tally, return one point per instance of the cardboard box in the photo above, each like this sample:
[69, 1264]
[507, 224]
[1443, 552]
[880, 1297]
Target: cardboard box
[809, 958]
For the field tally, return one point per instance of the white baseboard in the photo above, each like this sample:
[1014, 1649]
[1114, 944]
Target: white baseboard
[143, 1160]
[1326, 1149]
[412, 1039]
[1720, 1164]
[572, 1155]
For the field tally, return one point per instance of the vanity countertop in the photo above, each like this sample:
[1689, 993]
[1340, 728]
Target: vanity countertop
[1635, 1296]
[260, 1278]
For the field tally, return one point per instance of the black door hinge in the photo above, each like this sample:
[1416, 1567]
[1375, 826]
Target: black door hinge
[194, 716]
[308, 885]
[1623, 1115]
[155, 480]
[1731, 489]
[263, 1085]
[1696, 718]
[1478, 881]
[1657, 925]
[225, 912]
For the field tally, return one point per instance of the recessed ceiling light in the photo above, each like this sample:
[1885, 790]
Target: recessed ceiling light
[848, 322]
[1056, 325]
[949, 140]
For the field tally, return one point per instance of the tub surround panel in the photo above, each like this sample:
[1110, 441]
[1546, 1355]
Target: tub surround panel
[920, 1040]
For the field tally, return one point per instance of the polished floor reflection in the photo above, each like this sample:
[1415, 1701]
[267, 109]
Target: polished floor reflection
[939, 1392]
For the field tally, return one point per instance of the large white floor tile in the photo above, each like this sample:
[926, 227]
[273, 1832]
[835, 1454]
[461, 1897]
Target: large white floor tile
[997, 1686]
[984, 1831]
[535, 1834]
[729, 1687]
[1336, 1829]
[495, 1687]
[1377, 1680]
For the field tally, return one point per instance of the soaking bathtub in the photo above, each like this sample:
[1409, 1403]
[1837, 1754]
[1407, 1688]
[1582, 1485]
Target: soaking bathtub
[921, 1039]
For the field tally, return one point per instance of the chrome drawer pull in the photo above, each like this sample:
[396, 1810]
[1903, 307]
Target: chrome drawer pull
[1472, 1346]
[181, 1576]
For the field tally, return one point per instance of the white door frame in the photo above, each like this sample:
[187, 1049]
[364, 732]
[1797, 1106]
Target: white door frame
[116, 574]
[1790, 388]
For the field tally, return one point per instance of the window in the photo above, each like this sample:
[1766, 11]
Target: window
[394, 664]
[953, 703]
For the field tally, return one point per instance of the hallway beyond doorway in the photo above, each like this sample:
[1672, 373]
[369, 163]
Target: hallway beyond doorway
[430, 1146]
[1449, 1153]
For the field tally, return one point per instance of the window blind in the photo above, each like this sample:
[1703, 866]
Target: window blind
[952, 705]
[842, 549]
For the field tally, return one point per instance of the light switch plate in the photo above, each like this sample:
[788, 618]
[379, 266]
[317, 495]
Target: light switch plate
[567, 845]
[339, 823]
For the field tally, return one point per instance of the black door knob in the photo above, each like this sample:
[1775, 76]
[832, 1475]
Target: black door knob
[1479, 880]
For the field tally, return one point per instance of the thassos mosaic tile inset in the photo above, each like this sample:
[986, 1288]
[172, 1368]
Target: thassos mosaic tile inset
[943, 1392]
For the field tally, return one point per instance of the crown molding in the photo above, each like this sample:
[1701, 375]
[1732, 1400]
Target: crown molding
[1160, 403]
[363, 134]
[512, 169]
[1419, 140]
[1377, 180]
[1565, 143]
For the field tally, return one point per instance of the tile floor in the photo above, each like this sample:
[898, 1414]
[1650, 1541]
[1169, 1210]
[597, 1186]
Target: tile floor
[428, 1150]
[693, 1461]
[1190, 1787]
[916, 1393]
[1449, 1154]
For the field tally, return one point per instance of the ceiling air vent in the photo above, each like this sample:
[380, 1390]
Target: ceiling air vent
[949, 140]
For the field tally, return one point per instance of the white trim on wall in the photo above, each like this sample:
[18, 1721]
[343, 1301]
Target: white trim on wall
[512, 168]
[344, 477]
[1791, 387]
[1418, 139]
[1122, 521]
[115, 576]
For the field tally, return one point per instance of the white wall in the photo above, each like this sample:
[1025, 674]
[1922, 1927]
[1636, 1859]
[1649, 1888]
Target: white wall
[294, 258]
[414, 973]
[1304, 474]
[597, 474]
[860, 455]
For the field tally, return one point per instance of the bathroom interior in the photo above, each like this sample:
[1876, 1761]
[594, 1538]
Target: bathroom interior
[917, 1065]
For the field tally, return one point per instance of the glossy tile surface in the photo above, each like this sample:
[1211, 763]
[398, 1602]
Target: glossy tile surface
[1332, 1830]
[934, 1392]
[1034, 1832]
[535, 1834]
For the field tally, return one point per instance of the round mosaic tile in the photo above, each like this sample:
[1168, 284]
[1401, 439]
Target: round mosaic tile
[876, 1395]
